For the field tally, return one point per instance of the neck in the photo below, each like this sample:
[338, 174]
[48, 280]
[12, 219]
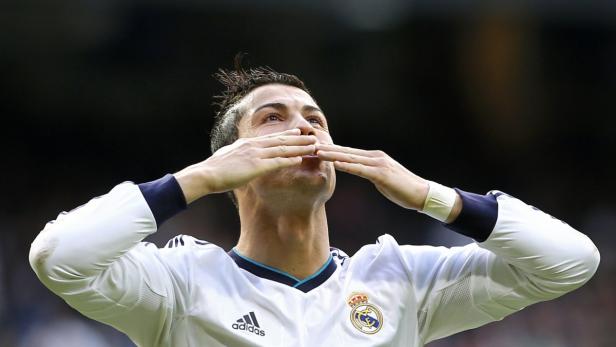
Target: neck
[294, 240]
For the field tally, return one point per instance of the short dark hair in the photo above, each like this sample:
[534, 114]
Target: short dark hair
[237, 84]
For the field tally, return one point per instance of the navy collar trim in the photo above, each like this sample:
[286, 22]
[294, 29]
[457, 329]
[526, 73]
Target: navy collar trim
[270, 273]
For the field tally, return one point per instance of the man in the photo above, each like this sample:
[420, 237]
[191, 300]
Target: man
[282, 285]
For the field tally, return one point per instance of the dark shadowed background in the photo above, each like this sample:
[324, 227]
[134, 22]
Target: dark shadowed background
[519, 98]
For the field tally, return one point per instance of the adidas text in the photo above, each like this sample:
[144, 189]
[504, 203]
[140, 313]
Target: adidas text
[249, 323]
[250, 328]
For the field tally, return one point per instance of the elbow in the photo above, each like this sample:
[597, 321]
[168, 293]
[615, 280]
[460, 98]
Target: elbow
[41, 250]
[48, 266]
[566, 273]
[581, 266]
[589, 260]
[583, 261]
[578, 269]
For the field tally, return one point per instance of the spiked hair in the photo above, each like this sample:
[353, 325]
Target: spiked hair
[237, 84]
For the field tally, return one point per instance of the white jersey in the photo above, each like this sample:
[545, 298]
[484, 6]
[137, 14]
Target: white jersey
[194, 293]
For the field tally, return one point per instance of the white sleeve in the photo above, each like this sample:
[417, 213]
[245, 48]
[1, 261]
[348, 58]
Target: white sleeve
[525, 256]
[94, 259]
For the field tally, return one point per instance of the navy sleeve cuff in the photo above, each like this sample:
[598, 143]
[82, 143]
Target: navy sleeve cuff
[478, 216]
[164, 196]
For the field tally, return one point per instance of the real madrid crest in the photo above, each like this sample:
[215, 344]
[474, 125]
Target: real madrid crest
[365, 316]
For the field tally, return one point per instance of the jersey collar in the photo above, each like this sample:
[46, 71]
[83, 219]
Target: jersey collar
[270, 273]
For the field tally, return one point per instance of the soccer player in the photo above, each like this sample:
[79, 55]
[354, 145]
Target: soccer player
[282, 284]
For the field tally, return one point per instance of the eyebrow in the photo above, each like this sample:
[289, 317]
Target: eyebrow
[281, 106]
[311, 108]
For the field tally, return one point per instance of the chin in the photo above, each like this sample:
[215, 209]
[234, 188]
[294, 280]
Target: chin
[301, 183]
[311, 171]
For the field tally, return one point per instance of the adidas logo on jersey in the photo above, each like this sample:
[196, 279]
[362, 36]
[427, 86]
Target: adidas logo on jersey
[249, 323]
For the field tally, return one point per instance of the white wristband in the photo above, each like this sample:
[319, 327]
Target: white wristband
[439, 202]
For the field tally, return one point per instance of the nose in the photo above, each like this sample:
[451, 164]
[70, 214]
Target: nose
[304, 126]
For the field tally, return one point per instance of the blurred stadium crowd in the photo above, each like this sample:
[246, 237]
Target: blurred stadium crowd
[516, 97]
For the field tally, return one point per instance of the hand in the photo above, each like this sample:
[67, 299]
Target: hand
[234, 165]
[393, 180]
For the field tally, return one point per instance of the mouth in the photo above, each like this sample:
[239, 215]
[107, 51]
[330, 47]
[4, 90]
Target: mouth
[311, 160]
[312, 156]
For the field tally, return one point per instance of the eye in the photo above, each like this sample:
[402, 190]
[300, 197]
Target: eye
[273, 117]
[315, 120]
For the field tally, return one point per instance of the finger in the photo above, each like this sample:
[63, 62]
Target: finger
[271, 164]
[289, 132]
[287, 151]
[351, 150]
[287, 140]
[367, 172]
[347, 157]
[294, 131]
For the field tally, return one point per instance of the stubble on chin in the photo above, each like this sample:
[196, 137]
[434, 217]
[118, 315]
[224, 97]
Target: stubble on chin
[298, 181]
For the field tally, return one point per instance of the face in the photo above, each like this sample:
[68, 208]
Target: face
[274, 108]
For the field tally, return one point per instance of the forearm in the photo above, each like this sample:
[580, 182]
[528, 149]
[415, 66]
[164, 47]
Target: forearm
[192, 180]
[522, 256]
[455, 211]
[439, 202]
[94, 259]
[552, 255]
[559, 257]
[86, 240]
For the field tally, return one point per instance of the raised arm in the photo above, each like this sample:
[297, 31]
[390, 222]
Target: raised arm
[522, 256]
[94, 258]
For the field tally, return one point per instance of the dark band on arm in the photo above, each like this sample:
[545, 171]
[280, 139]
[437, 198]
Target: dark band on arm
[477, 217]
[164, 196]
